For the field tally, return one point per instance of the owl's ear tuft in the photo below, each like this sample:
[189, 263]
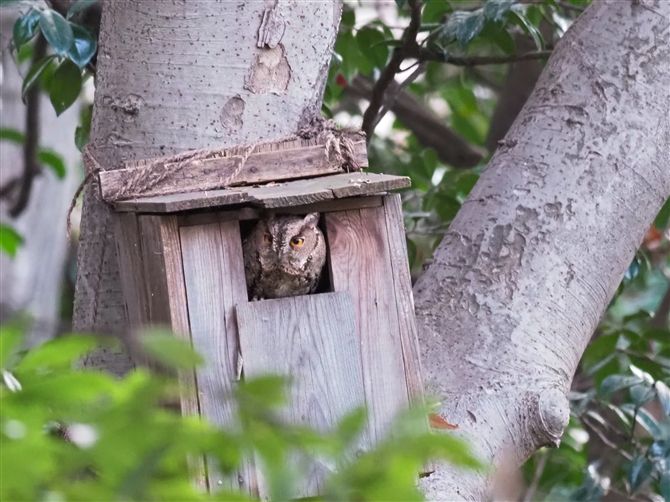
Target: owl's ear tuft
[311, 220]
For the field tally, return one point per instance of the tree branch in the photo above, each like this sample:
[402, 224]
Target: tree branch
[425, 54]
[428, 129]
[31, 166]
[388, 74]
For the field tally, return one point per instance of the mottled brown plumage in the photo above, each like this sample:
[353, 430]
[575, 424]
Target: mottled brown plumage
[284, 256]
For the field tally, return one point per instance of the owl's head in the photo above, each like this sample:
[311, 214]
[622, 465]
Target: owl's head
[290, 241]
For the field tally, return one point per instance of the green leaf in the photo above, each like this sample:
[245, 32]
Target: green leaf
[269, 390]
[401, 3]
[663, 396]
[10, 240]
[371, 45]
[134, 485]
[446, 207]
[434, 10]
[495, 10]
[352, 425]
[78, 6]
[25, 28]
[83, 131]
[642, 393]
[411, 252]
[84, 47]
[614, 383]
[639, 471]
[663, 217]
[25, 53]
[325, 111]
[60, 352]
[172, 351]
[347, 48]
[54, 161]
[499, 36]
[65, 86]
[470, 28]
[34, 74]
[649, 423]
[12, 135]
[517, 17]
[348, 17]
[57, 31]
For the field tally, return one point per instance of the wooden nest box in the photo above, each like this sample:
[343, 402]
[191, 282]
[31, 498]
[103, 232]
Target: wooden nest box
[352, 343]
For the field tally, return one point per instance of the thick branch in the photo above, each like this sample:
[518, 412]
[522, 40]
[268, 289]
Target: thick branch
[531, 261]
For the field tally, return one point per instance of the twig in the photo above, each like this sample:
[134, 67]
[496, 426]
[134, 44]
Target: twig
[569, 6]
[425, 54]
[532, 488]
[604, 438]
[388, 74]
[643, 356]
[31, 166]
[392, 97]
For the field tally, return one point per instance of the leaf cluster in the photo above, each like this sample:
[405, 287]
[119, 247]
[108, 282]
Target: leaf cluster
[74, 45]
[72, 433]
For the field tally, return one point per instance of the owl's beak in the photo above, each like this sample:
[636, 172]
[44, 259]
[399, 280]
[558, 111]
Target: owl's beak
[280, 253]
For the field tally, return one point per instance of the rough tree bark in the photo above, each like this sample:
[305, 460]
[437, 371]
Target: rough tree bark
[527, 268]
[174, 76]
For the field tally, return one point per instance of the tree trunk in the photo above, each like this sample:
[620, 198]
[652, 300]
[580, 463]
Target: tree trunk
[175, 76]
[32, 280]
[530, 263]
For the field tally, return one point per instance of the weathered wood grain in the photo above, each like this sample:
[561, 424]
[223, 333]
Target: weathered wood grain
[215, 283]
[288, 161]
[360, 262]
[250, 213]
[167, 305]
[129, 252]
[402, 281]
[313, 339]
[281, 195]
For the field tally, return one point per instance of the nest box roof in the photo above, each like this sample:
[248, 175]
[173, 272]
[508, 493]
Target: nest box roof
[270, 196]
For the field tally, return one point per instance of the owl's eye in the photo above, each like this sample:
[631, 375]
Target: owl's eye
[268, 238]
[297, 241]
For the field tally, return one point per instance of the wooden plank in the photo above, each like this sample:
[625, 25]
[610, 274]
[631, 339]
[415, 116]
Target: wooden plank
[129, 252]
[291, 160]
[215, 283]
[183, 202]
[292, 193]
[360, 262]
[402, 281]
[167, 305]
[250, 213]
[313, 339]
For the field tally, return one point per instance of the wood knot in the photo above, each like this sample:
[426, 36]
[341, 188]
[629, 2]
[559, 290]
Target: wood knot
[552, 414]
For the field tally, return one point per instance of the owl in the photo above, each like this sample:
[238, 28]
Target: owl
[284, 256]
